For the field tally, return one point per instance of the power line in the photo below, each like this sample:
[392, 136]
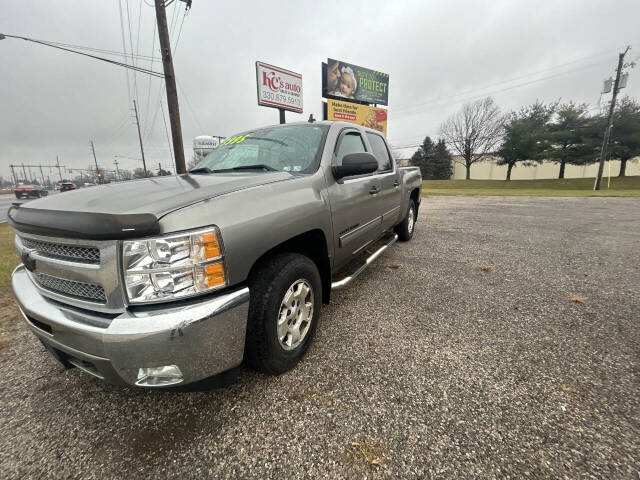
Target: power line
[153, 44]
[193, 113]
[135, 77]
[175, 47]
[101, 50]
[166, 130]
[511, 87]
[126, 65]
[530, 74]
[124, 47]
[139, 25]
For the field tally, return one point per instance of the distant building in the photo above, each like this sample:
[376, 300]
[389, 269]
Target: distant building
[489, 170]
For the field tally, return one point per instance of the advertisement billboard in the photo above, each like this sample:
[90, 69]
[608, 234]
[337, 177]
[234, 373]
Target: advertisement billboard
[371, 117]
[354, 83]
[279, 88]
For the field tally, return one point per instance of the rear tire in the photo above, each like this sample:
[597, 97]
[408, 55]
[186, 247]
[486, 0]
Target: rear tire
[406, 228]
[281, 325]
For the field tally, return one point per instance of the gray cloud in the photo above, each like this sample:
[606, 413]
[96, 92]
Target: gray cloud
[437, 54]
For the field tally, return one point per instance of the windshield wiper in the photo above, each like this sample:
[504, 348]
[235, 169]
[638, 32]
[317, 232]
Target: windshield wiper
[201, 170]
[257, 166]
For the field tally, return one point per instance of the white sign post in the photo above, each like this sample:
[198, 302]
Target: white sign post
[279, 88]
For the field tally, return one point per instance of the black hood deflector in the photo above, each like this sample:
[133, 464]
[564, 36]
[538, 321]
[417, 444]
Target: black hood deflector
[83, 225]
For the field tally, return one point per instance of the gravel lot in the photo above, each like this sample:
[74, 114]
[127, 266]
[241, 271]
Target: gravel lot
[457, 355]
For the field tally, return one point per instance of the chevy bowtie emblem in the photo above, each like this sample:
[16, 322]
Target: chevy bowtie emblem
[29, 263]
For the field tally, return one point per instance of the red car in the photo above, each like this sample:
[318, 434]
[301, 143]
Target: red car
[66, 186]
[30, 191]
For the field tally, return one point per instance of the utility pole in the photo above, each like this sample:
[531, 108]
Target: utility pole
[170, 83]
[117, 171]
[41, 174]
[607, 131]
[58, 164]
[95, 161]
[144, 163]
[15, 179]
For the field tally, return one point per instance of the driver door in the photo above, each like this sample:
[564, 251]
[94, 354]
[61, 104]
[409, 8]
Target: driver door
[354, 209]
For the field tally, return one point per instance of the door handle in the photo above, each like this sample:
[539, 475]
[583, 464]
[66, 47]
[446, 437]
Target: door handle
[374, 190]
[396, 183]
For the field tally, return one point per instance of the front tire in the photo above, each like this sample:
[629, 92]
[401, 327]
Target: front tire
[284, 307]
[405, 228]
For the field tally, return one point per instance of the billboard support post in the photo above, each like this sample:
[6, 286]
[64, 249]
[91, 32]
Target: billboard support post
[282, 120]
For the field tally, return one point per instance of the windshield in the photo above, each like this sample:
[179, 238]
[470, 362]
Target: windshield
[292, 148]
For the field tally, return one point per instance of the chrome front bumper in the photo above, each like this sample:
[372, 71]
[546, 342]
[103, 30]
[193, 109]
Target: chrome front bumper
[202, 337]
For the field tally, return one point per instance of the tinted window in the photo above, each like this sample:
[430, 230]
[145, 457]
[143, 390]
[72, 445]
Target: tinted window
[380, 151]
[351, 143]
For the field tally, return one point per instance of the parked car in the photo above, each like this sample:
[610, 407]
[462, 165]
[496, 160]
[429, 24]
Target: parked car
[232, 261]
[66, 186]
[30, 191]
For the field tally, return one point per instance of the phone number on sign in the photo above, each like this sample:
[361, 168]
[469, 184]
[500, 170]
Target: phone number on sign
[276, 97]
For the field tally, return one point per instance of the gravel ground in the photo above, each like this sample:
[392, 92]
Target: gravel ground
[457, 355]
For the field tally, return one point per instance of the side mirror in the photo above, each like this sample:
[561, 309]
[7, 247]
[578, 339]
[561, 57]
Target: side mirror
[355, 164]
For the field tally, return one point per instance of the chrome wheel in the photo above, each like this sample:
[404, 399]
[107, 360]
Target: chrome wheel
[410, 220]
[296, 314]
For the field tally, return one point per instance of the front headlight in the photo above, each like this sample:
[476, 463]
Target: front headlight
[173, 266]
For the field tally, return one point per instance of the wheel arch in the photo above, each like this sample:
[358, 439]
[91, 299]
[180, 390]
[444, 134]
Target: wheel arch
[415, 196]
[312, 244]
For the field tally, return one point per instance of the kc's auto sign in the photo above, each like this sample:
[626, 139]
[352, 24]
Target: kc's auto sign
[279, 88]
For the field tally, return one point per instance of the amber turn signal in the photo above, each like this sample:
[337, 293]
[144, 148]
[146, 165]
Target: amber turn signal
[211, 246]
[215, 274]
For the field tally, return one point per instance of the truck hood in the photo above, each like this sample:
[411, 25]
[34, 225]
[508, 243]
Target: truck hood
[119, 210]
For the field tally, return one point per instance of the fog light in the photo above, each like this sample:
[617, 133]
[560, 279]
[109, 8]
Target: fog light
[159, 376]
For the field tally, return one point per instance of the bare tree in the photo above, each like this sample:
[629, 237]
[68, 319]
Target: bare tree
[474, 132]
[125, 174]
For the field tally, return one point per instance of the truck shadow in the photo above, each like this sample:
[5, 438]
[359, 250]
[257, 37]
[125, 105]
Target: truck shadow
[158, 422]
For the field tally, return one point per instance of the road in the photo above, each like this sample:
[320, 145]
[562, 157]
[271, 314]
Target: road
[5, 202]
[456, 355]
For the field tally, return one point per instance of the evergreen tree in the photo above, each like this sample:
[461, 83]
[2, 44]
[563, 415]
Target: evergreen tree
[433, 159]
[442, 161]
[572, 137]
[625, 134]
[524, 136]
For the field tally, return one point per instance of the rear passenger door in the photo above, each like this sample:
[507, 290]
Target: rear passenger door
[388, 199]
[354, 208]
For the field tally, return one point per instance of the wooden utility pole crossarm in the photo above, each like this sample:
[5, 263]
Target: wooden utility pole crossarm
[607, 131]
[170, 82]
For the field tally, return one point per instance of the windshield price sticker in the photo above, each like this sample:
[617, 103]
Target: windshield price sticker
[235, 140]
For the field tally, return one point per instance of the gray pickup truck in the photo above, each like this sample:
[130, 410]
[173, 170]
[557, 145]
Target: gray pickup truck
[171, 280]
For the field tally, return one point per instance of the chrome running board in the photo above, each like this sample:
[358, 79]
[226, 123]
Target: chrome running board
[346, 280]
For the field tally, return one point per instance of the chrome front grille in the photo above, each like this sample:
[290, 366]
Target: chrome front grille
[61, 251]
[91, 292]
[79, 272]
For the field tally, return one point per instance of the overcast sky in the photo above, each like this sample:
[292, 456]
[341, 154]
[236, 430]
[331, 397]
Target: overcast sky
[438, 54]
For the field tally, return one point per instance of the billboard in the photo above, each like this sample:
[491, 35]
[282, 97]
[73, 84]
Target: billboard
[354, 83]
[279, 88]
[371, 117]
